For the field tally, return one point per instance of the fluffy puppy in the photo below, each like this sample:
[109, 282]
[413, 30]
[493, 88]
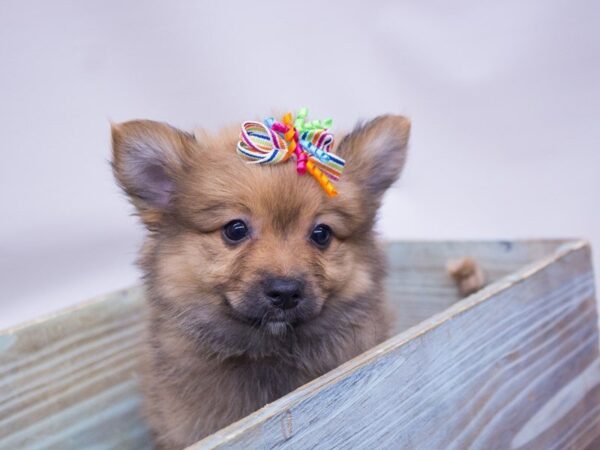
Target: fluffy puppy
[257, 282]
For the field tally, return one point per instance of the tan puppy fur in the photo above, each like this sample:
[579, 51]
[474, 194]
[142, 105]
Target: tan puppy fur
[217, 348]
[467, 274]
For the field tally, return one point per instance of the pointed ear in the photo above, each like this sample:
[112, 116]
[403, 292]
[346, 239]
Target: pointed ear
[375, 153]
[148, 159]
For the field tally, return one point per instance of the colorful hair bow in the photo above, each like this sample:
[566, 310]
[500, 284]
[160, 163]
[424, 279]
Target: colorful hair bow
[309, 142]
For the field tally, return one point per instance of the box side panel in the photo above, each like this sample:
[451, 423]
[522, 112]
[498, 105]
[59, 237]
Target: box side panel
[70, 381]
[419, 285]
[514, 366]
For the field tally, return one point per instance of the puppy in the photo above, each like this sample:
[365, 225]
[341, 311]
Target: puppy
[257, 281]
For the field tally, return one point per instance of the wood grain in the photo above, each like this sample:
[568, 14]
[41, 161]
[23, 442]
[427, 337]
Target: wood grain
[418, 283]
[513, 366]
[522, 353]
[69, 381]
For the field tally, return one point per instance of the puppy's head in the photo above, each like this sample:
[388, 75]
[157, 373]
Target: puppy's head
[242, 255]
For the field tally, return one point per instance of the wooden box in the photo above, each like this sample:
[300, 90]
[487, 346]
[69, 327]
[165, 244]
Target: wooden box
[514, 365]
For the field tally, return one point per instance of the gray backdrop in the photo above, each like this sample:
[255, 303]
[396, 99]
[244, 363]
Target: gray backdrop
[504, 98]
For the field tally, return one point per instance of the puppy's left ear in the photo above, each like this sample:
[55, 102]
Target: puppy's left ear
[375, 153]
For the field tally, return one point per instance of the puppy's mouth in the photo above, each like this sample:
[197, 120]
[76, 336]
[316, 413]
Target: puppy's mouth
[274, 321]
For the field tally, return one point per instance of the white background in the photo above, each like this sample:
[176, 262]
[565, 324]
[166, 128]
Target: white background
[504, 99]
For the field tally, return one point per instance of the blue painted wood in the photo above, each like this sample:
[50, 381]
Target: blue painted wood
[70, 380]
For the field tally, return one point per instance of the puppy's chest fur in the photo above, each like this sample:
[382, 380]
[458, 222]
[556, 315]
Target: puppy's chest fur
[192, 393]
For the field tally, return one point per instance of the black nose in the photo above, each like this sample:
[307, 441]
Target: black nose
[285, 293]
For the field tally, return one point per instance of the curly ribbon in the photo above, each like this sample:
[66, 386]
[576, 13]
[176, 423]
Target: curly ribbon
[261, 144]
[272, 142]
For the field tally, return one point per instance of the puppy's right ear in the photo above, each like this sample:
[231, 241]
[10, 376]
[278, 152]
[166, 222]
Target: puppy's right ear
[148, 159]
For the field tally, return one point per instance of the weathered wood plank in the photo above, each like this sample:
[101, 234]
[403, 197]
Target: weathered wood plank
[513, 366]
[69, 381]
[419, 285]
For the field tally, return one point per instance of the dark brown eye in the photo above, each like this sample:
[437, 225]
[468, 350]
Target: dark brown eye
[321, 235]
[235, 231]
